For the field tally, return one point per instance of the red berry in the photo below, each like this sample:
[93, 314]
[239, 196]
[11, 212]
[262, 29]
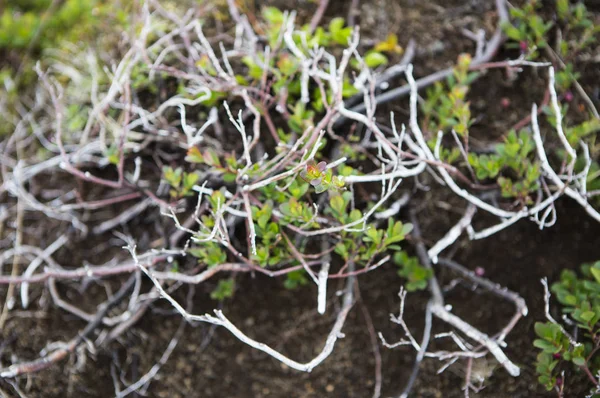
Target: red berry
[479, 271]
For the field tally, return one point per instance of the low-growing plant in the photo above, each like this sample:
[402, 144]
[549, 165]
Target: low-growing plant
[262, 151]
[579, 296]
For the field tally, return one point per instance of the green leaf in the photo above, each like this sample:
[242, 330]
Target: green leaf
[254, 70]
[321, 188]
[579, 361]
[338, 205]
[217, 200]
[406, 229]
[570, 300]
[373, 235]
[562, 8]
[295, 279]
[189, 179]
[342, 250]
[298, 188]
[339, 34]
[223, 290]
[194, 155]
[544, 330]
[272, 15]
[336, 25]
[229, 177]
[112, 154]
[595, 270]
[546, 346]
[211, 158]
[587, 315]
[512, 32]
[374, 59]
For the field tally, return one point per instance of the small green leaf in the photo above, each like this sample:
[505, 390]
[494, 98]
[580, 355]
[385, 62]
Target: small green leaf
[406, 229]
[339, 34]
[579, 361]
[546, 346]
[512, 32]
[595, 270]
[223, 290]
[272, 15]
[570, 300]
[562, 8]
[587, 315]
[295, 279]
[194, 155]
[337, 204]
[112, 154]
[374, 59]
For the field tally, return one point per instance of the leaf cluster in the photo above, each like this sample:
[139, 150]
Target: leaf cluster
[579, 296]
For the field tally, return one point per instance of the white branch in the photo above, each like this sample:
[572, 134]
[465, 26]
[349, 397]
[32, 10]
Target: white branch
[322, 287]
[482, 338]
[452, 234]
[220, 320]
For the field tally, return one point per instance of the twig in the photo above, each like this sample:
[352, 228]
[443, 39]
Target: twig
[318, 15]
[9, 302]
[420, 354]
[44, 256]
[521, 306]
[438, 309]
[59, 354]
[492, 46]
[219, 319]
[250, 223]
[144, 380]
[452, 234]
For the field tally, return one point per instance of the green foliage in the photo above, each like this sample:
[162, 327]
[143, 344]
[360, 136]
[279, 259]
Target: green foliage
[321, 178]
[283, 69]
[416, 275]
[295, 279]
[565, 78]
[209, 253]
[580, 300]
[180, 181]
[224, 290]
[512, 158]
[37, 25]
[529, 31]
[21, 22]
[140, 79]
[446, 107]
[30, 27]
[226, 168]
[271, 249]
[339, 33]
[510, 165]
[112, 154]
[300, 118]
[373, 59]
[580, 24]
